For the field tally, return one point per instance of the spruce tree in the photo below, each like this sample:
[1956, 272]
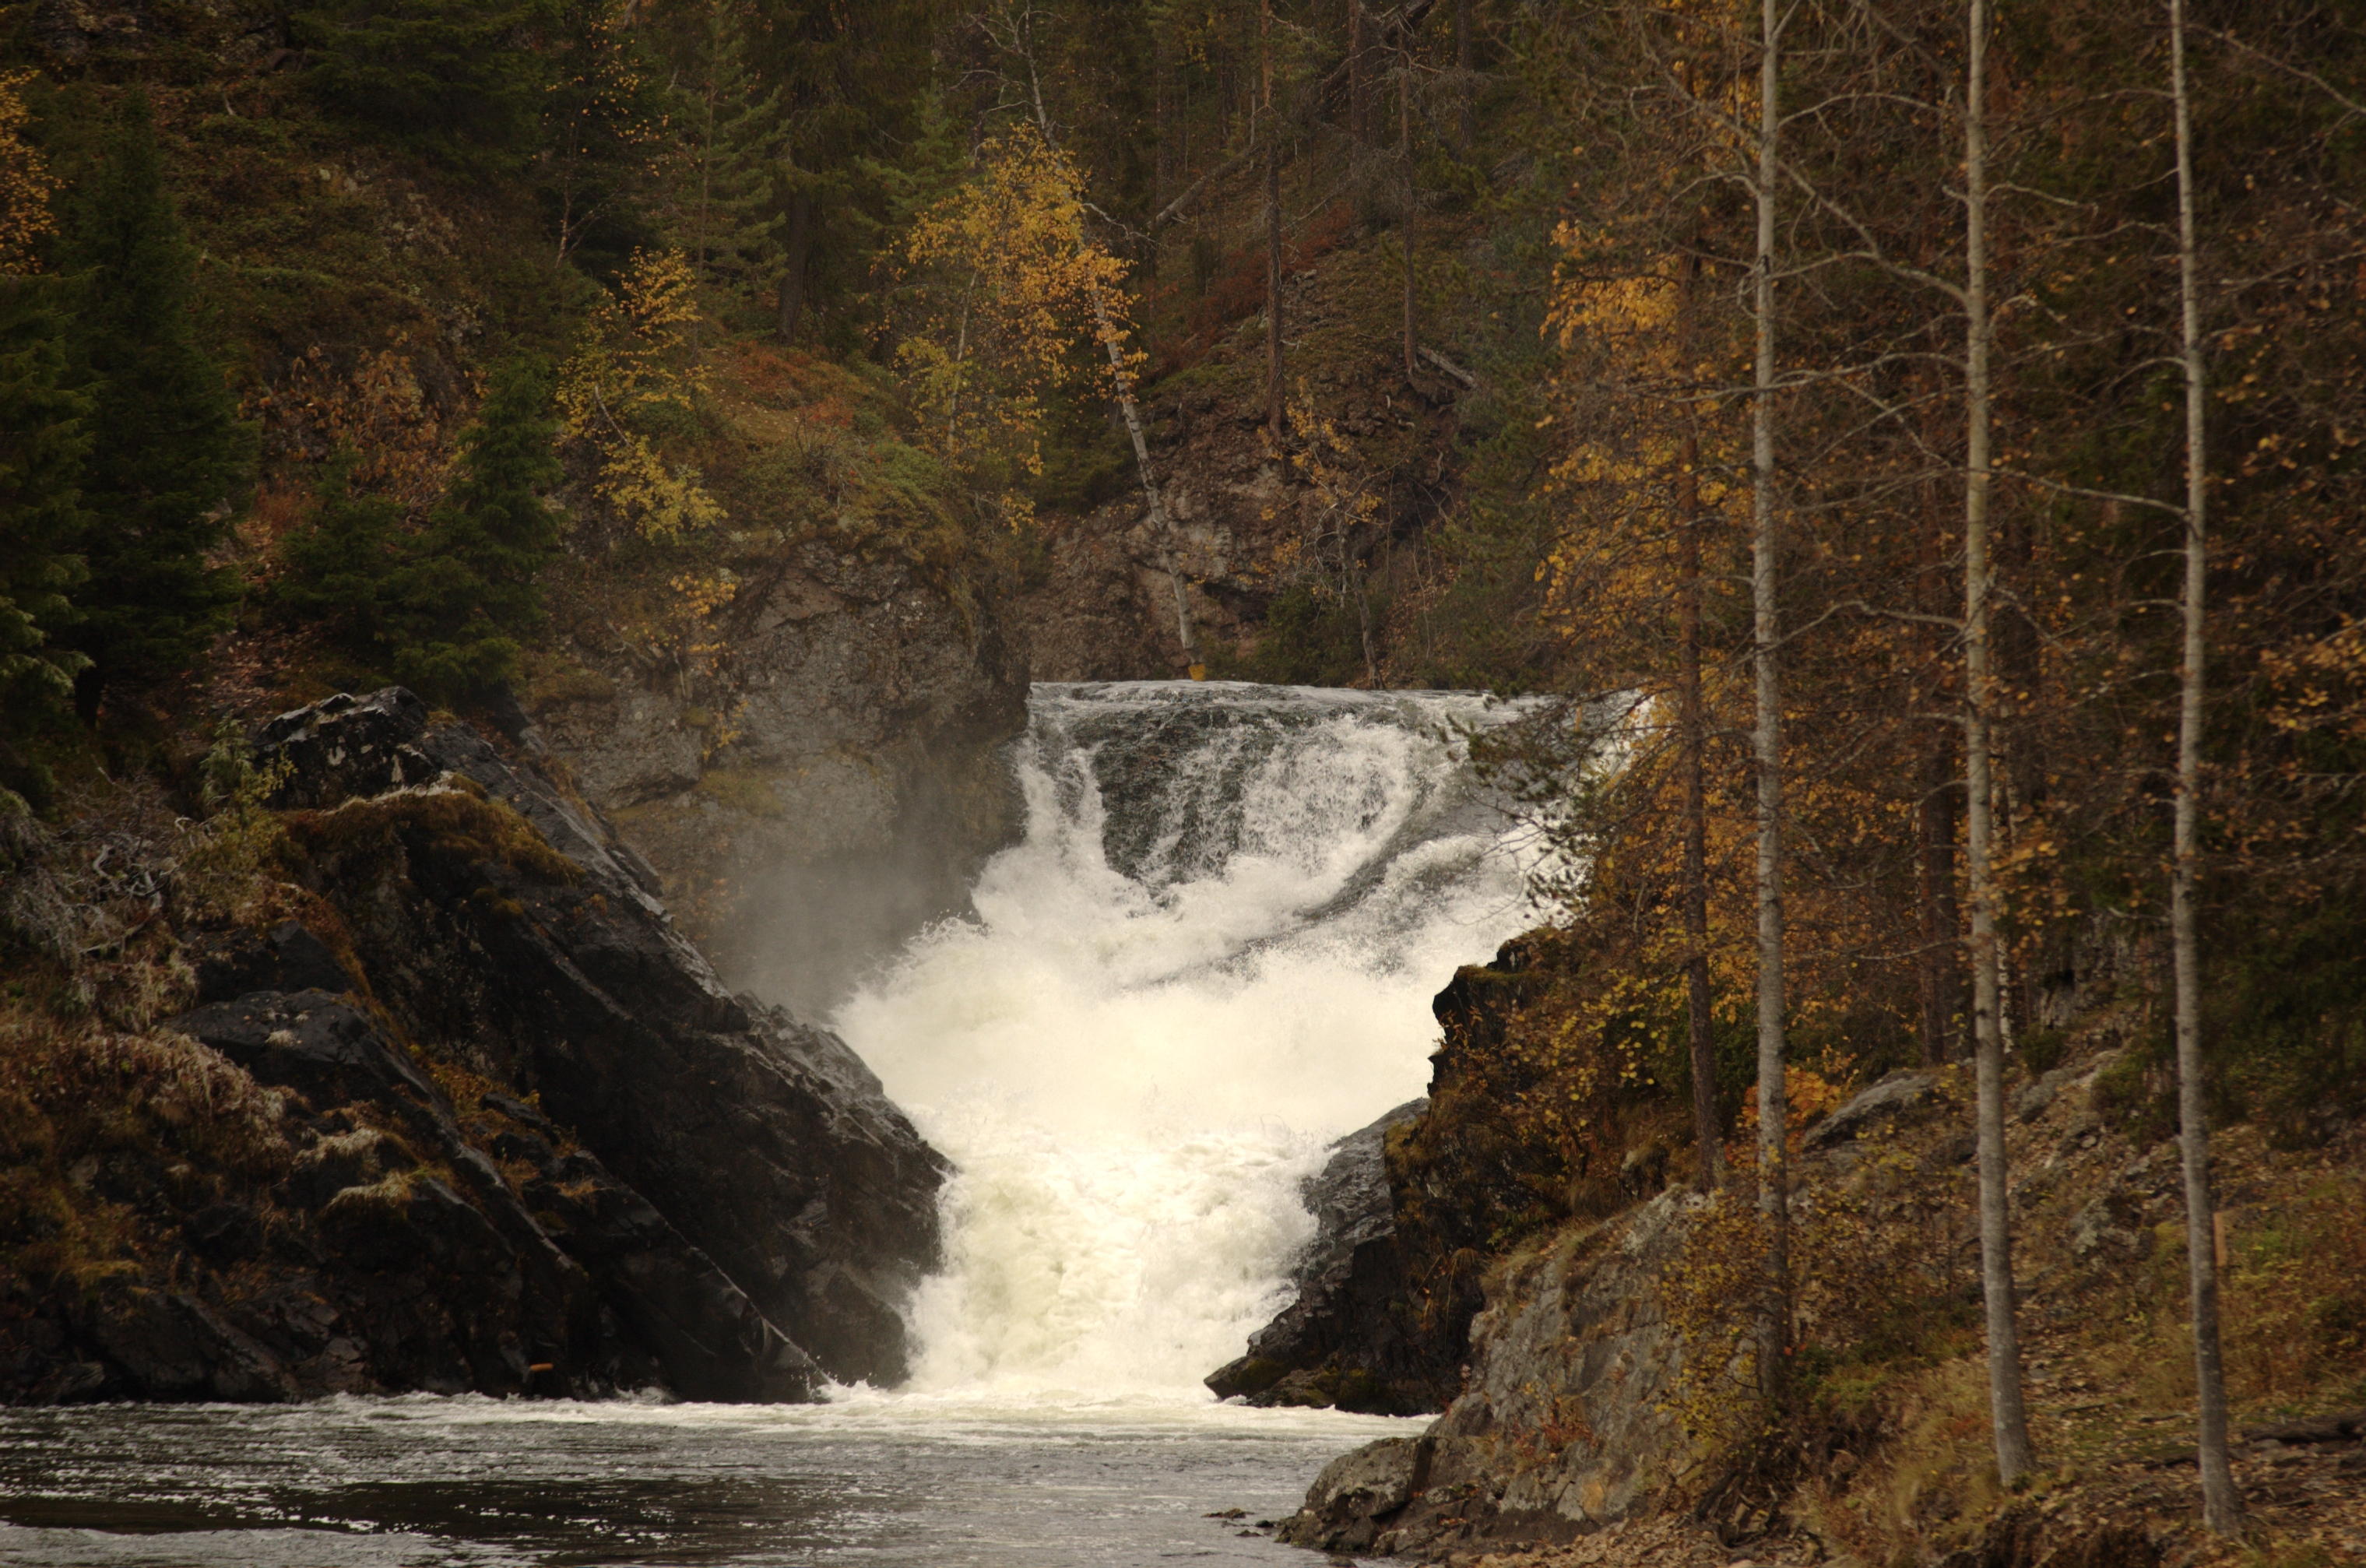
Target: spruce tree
[336, 569]
[470, 582]
[734, 203]
[168, 451]
[41, 446]
[449, 79]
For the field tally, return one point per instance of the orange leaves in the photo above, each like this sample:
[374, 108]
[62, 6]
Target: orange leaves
[25, 182]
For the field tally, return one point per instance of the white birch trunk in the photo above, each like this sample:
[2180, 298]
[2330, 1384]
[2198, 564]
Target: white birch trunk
[1123, 379]
[2007, 1416]
[2222, 1504]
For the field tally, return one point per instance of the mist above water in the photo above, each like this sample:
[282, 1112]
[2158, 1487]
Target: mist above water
[1213, 951]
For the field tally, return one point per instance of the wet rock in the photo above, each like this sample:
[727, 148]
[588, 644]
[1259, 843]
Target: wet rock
[168, 1345]
[713, 1344]
[500, 924]
[1358, 1494]
[1339, 1343]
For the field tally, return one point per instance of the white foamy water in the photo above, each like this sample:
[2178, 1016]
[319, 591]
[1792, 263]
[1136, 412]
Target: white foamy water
[1213, 953]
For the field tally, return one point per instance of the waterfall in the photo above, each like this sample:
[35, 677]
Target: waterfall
[1213, 952]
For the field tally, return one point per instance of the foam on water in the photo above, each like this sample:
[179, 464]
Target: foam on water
[1213, 952]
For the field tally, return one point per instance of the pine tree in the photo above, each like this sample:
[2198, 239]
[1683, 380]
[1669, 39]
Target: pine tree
[168, 452]
[41, 447]
[447, 78]
[734, 206]
[335, 569]
[470, 582]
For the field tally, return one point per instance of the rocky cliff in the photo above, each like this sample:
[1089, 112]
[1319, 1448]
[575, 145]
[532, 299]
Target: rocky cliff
[820, 776]
[491, 1123]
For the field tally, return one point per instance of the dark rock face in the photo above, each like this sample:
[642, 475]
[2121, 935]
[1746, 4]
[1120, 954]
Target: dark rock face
[1340, 1342]
[565, 1281]
[647, 1181]
[233, 964]
[503, 925]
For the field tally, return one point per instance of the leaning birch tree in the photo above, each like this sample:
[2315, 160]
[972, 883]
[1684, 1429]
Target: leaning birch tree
[2222, 1505]
[1022, 42]
[2007, 1419]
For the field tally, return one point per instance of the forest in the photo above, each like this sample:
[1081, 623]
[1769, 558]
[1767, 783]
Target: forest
[1917, 446]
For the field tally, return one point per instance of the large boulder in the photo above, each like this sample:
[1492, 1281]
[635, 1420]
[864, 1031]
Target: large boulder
[1565, 1423]
[1340, 1341]
[503, 926]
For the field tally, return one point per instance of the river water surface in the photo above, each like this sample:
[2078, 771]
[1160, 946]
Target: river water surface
[1212, 954]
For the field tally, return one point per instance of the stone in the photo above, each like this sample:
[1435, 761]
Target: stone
[1906, 1093]
[1357, 1493]
[230, 965]
[345, 746]
[323, 1048]
[1338, 1342]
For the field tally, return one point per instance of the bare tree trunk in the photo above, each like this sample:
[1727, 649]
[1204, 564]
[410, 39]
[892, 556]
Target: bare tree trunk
[1774, 1177]
[1161, 87]
[1272, 131]
[2010, 1422]
[1935, 872]
[1412, 200]
[1462, 70]
[2222, 1504]
[1355, 70]
[792, 266]
[1706, 1128]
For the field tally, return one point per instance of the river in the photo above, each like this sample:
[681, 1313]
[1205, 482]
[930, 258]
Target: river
[1212, 953]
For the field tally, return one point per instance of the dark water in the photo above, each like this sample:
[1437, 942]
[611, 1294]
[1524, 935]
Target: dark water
[896, 1483]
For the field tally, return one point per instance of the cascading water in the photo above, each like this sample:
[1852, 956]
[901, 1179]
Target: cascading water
[1213, 951]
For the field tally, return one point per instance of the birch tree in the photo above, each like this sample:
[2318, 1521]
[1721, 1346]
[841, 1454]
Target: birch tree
[1021, 40]
[2009, 1421]
[2222, 1505]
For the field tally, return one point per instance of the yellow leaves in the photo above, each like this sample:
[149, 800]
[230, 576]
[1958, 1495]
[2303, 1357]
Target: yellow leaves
[633, 373]
[1001, 297]
[25, 182]
[2320, 684]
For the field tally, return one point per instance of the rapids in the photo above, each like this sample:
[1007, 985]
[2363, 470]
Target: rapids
[1213, 952]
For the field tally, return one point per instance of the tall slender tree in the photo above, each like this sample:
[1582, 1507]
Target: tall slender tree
[42, 442]
[1766, 738]
[2222, 1505]
[1699, 1017]
[2007, 1417]
[1269, 129]
[736, 146]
